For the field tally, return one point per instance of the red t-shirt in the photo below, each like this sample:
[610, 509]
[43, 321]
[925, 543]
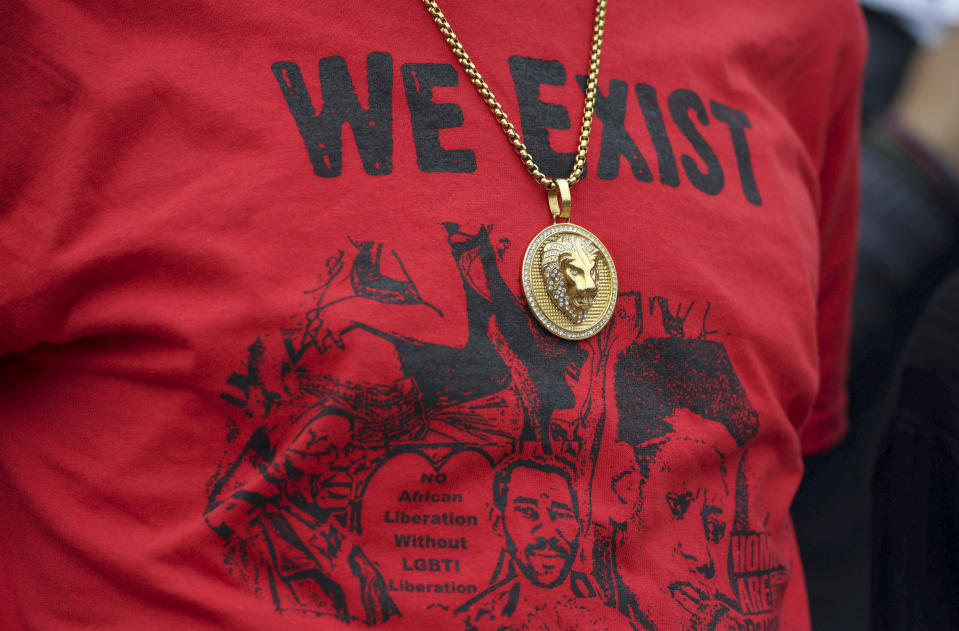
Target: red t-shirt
[266, 361]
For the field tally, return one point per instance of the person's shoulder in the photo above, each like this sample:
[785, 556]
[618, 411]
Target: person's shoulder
[833, 25]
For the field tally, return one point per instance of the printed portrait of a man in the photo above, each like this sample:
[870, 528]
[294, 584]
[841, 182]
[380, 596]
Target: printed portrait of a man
[536, 512]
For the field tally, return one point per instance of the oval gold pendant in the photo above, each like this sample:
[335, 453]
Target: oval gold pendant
[570, 281]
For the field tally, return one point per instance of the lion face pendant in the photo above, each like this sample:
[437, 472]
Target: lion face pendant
[570, 281]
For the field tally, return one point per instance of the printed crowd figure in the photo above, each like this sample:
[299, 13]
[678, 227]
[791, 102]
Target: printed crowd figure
[286, 509]
[535, 511]
[683, 505]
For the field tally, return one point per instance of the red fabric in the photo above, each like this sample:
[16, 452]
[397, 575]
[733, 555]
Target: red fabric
[238, 377]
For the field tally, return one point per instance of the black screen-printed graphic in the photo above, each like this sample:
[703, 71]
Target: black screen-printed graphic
[536, 513]
[468, 486]
[322, 131]
[756, 572]
[322, 111]
[615, 141]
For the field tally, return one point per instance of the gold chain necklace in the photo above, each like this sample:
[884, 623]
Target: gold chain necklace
[568, 275]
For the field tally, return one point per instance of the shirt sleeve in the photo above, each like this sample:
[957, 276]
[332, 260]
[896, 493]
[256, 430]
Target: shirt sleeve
[838, 232]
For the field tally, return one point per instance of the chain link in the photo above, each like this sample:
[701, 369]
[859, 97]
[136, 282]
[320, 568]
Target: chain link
[514, 138]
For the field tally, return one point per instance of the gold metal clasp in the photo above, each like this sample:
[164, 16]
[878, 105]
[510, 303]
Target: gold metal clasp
[560, 201]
